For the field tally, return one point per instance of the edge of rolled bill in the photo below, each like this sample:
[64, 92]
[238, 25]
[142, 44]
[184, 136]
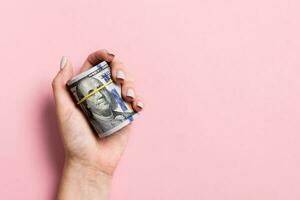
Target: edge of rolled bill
[100, 100]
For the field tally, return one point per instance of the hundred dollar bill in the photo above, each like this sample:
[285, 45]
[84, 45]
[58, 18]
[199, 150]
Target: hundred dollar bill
[100, 99]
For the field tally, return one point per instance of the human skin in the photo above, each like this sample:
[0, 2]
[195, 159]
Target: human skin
[90, 162]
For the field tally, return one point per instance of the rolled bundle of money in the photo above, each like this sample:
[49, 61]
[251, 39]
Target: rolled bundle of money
[100, 100]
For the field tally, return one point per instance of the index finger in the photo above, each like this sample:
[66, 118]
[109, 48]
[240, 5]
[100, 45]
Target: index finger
[97, 57]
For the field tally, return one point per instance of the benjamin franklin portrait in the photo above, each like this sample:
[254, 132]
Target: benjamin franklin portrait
[100, 107]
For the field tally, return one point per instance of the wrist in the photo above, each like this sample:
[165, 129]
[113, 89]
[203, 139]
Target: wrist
[86, 171]
[83, 181]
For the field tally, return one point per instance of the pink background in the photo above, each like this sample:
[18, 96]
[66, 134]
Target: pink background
[221, 84]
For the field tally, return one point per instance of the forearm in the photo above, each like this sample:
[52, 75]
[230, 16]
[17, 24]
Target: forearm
[83, 182]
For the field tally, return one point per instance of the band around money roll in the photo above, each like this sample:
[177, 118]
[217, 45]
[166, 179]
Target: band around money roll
[94, 92]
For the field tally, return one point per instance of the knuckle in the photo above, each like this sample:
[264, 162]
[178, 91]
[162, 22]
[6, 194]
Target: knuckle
[129, 83]
[102, 50]
[117, 64]
[54, 83]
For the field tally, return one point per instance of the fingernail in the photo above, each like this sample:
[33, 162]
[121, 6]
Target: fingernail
[130, 93]
[63, 62]
[120, 75]
[140, 105]
[111, 56]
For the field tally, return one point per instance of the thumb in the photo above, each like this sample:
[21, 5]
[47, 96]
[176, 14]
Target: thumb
[63, 100]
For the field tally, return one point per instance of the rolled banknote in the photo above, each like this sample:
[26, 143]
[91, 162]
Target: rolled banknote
[100, 100]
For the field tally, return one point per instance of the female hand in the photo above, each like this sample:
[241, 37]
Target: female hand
[89, 160]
